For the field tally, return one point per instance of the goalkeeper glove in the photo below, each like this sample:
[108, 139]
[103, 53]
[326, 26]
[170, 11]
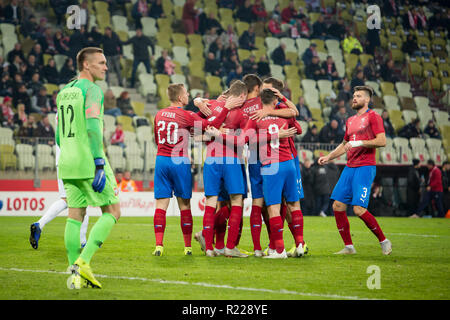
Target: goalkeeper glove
[100, 178]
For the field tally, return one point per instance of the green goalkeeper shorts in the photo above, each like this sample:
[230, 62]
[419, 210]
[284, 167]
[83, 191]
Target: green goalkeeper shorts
[80, 193]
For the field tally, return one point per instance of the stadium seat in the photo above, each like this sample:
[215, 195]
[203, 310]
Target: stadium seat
[271, 44]
[179, 39]
[316, 114]
[241, 26]
[147, 84]
[320, 153]
[403, 89]
[180, 54]
[304, 154]
[302, 45]
[244, 54]
[441, 118]
[409, 115]
[388, 156]
[391, 102]
[214, 85]
[25, 157]
[277, 71]
[387, 88]
[149, 26]
[119, 23]
[289, 43]
[396, 119]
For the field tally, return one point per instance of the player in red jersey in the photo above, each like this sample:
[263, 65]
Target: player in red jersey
[172, 168]
[363, 134]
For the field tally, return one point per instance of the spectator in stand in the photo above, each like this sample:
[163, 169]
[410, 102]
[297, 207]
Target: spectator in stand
[234, 75]
[259, 11]
[431, 130]
[118, 137]
[263, 67]
[13, 12]
[112, 49]
[189, 16]
[28, 27]
[437, 22]
[337, 30]
[245, 13]
[50, 73]
[124, 104]
[218, 49]
[20, 118]
[319, 29]
[6, 85]
[248, 38]
[41, 101]
[127, 184]
[229, 4]
[341, 117]
[37, 52]
[229, 36]
[61, 43]
[68, 71]
[330, 133]
[212, 65]
[274, 27]
[370, 71]
[16, 51]
[164, 64]
[390, 8]
[279, 55]
[231, 64]
[84, 14]
[140, 9]
[32, 66]
[289, 13]
[387, 71]
[411, 130]
[45, 130]
[330, 69]
[307, 203]
[321, 189]
[110, 104]
[7, 112]
[34, 85]
[119, 177]
[309, 54]
[410, 46]
[23, 97]
[434, 191]
[303, 26]
[249, 65]
[352, 44]
[304, 114]
[28, 130]
[388, 127]
[413, 187]
[77, 41]
[312, 136]
[140, 44]
[47, 43]
[156, 10]
[415, 20]
[212, 22]
[60, 7]
[358, 78]
[94, 38]
[314, 71]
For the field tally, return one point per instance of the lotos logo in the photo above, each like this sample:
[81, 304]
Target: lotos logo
[201, 204]
[17, 204]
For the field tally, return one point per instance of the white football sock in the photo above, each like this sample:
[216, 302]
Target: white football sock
[84, 228]
[55, 209]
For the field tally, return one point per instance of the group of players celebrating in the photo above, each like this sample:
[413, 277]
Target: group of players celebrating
[251, 124]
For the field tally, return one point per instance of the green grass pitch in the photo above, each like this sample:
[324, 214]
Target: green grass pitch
[417, 268]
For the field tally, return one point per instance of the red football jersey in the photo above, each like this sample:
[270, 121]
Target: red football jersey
[282, 105]
[251, 105]
[363, 127]
[236, 119]
[271, 151]
[172, 127]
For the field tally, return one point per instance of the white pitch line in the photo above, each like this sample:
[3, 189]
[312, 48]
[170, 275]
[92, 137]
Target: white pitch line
[202, 284]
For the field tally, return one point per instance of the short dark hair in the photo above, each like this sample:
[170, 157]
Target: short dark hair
[237, 88]
[251, 81]
[81, 56]
[367, 89]
[431, 162]
[267, 96]
[416, 162]
[277, 84]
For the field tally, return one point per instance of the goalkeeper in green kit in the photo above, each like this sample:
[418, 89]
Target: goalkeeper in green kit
[87, 176]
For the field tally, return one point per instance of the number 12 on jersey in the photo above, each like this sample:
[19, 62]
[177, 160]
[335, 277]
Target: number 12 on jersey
[67, 114]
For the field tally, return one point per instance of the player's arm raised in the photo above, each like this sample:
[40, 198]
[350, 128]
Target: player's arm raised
[289, 112]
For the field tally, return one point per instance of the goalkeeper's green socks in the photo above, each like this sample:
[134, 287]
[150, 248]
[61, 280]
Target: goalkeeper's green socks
[98, 235]
[72, 239]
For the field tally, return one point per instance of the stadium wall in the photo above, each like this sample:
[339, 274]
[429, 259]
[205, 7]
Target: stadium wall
[132, 204]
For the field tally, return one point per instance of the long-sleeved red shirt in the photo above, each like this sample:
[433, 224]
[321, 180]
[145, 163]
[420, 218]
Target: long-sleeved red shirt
[435, 180]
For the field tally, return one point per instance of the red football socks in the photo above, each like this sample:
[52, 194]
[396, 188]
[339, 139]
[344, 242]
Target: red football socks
[343, 226]
[186, 226]
[159, 224]
[296, 227]
[255, 227]
[208, 227]
[276, 233]
[220, 226]
[233, 226]
[372, 224]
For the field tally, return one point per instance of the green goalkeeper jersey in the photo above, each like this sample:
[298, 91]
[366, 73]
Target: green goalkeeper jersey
[77, 102]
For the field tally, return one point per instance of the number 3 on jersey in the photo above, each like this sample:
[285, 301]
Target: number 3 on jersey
[67, 114]
[167, 133]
